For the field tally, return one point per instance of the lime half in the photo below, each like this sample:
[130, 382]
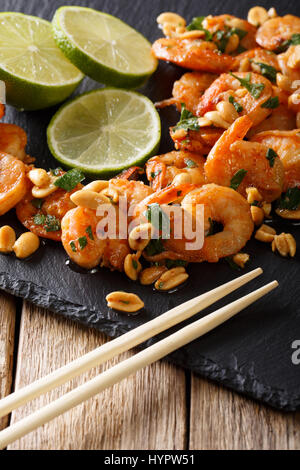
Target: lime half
[104, 131]
[103, 47]
[35, 71]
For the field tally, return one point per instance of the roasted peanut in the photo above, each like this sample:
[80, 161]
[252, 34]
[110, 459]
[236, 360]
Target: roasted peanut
[97, 186]
[227, 111]
[285, 244]
[169, 17]
[182, 178]
[39, 177]
[272, 13]
[294, 58]
[150, 275]
[26, 245]
[171, 279]
[111, 193]
[7, 239]
[286, 214]
[257, 16]
[267, 207]
[241, 259]
[197, 33]
[257, 214]
[203, 122]
[253, 195]
[41, 192]
[283, 82]
[132, 266]
[232, 44]
[124, 301]
[216, 119]
[265, 234]
[89, 199]
[179, 134]
[245, 65]
[140, 236]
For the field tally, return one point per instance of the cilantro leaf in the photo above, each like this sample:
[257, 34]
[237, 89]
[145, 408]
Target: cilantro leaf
[82, 241]
[196, 23]
[69, 180]
[154, 247]
[290, 200]
[37, 203]
[52, 224]
[294, 41]
[238, 107]
[271, 155]
[237, 178]
[271, 103]
[187, 120]
[190, 163]
[267, 71]
[73, 246]
[90, 232]
[158, 218]
[39, 219]
[255, 89]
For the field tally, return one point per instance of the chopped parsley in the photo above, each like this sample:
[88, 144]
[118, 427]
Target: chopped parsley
[174, 263]
[191, 163]
[90, 232]
[158, 218]
[290, 200]
[73, 246]
[37, 203]
[69, 180]
[271, 103]
[294, 41]
[255, 89]
[50, 222]
[197, 23]
[238, 107]
[134, 264]
[187, 120]
[154, 247]
[154, 174]
[237, 178]
[267, 71]
[271, 155]
[82, 241]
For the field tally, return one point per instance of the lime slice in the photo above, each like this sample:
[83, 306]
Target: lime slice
[104, 131]
[103, 47]
[36, 73]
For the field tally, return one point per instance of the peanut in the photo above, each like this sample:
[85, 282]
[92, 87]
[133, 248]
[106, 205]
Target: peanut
[26, 245]
[7, 239]
[124, 301]
[140, 236]
[132, 266]
[257, 16]
[150, 275]
[171, 279]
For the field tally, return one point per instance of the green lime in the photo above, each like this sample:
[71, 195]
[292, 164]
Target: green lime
[104, 131]
[35, 71]
[103, 47]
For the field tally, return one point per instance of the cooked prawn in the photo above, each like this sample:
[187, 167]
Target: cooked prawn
[226, 85]
[281, 119]
[287, 145]
[271, 34]
[13, 182]
[162, 169]
[250, 60]
[192, 54]
[226, 23]
[107, 252]
[231, 154]
[55, 206]
[13, 140]
[200, 141]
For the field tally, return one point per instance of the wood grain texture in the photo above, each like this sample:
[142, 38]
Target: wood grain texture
[7, 332]
[145, 411]
[223, 420]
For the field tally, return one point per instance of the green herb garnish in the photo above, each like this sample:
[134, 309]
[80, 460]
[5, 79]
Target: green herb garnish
[238, 107]
[154, 247]
[174, 263]
[237, 179]
[267, 71]
[155, 215]
[294, 41]
[255, 89]
[271, 155]
[154, 174]
[82, 241]
[271, 103]
[290, 200]
[39, 219]
[222, 37]
[191, 163]
[196, 23]
[187, 120]
[69, 180]
[90, 232]
[37, 203]
[52, 224]
[134, 264]
[73, 246]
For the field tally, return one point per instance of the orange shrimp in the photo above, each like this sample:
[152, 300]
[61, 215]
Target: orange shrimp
[13, 140]
[249, 60]
[287, 145]
[281, 119]
[162, 169]
[271, 34]
[226, 22]
[200, 141]
[13, 182]
[231, 154]
[227, 85]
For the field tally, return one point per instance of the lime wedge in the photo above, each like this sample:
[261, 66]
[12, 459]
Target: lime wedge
[36, 72]
[104, 131]
[103, 47]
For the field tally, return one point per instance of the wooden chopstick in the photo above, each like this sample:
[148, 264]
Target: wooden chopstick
[129, 366]
[121, 344]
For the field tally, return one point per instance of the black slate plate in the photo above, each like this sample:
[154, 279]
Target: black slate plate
[252, 353]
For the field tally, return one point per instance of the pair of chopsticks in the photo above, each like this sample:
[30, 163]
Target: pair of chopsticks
[129, 366]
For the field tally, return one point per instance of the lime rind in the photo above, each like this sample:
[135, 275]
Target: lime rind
[98, 123]
[27, 89]
[104, 71]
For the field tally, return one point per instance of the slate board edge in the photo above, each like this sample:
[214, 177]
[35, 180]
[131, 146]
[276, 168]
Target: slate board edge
[246, 384]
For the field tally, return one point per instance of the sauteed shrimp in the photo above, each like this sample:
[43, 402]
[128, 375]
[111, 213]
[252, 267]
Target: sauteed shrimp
[13, 182]
[272, 34]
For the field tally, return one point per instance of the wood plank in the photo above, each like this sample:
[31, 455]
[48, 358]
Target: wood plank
[221, 419]
[7, 332]
[145, 411]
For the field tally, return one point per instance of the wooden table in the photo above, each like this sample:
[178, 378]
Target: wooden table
[162, 407]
